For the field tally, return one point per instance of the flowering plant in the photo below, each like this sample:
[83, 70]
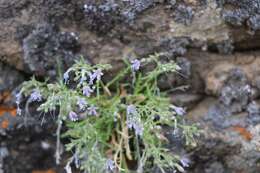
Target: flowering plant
[114, 126]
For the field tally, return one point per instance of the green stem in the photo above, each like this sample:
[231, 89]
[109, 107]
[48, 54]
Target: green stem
[98, 92]
[120, 75]
[138, 153]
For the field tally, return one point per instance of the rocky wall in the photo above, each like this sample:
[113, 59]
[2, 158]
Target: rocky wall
[215, 42]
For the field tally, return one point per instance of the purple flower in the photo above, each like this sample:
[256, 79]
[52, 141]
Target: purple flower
[138, 129]
[18, 101]
[185, 161]
[135, 65]
[131, 109]
[178, 110]
[92, 110]
[131, 113]
[73, 116]
[98, 73]
[91, 78]
[82, 79]
[82, 103]
[19, 111]
[136, 125]
[133, 120]
[35, 96]
[87, 91]
[95, 75]
[66, 76]
[110, 165]
[18, 97]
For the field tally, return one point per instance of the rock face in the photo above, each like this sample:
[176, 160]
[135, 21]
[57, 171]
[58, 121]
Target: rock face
[215, 42]
[46, 49]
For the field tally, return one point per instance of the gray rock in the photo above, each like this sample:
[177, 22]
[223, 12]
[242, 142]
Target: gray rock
[215, 167]
[183, 14]
[188, 100]
[253, 110]
[236, 91]
[3, 154]
[181, 78]
[175, 46]
[242, 12]
[101, 18]
[225, 47]
[46, 50]
[10, 78]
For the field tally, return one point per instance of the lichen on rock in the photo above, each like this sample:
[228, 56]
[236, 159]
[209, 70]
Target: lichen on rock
[242, 12]
[46, 48]
[236, 91]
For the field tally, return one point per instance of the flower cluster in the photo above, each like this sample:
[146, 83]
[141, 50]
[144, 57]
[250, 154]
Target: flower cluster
[18, 102]
[73, 116]
[178, 110]
[133, 120]
[110, 165]
[135, 65]
[87, 91]
[92, 110]
[82, 103]
[185, 161]
[35, 96]
[110, 127]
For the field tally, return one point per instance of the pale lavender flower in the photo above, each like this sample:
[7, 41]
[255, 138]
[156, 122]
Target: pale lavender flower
[82, 103]
[135, 65]
[19, 111]
[91, 78]
[92, 110]
[18, 97]
[66, 76]
[76, 159]
[131, 114]
[132, 123]
[133, 120]
[18, 101]
[35, 96]
[95, 75]
[87, 91]
[110, 165]
[178, 110]
[73, 116]
[131, 109]
[139, 129]
[185, 161]
[98, 73]
[82, 79]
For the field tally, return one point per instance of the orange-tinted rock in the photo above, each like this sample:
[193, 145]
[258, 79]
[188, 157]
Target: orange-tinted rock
[4, 124]
[5, 96]
[243, 132]
[44, 171]
[11, 111]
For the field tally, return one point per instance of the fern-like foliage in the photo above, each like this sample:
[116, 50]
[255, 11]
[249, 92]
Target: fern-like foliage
[114, 126]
